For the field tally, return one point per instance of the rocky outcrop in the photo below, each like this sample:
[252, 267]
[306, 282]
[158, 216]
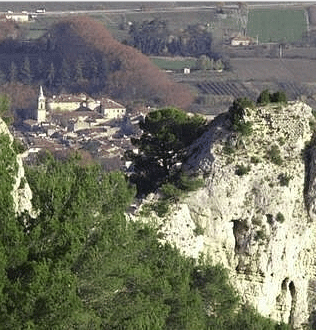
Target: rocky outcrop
[253, 212]
[21, 192]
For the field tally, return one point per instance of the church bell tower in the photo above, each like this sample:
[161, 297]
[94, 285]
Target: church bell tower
[41, 107]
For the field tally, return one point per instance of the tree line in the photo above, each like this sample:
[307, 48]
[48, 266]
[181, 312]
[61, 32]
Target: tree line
[67, 74]
[154, 38]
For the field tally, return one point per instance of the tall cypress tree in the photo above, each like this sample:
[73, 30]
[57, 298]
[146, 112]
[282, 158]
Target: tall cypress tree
[50, 75]
[26, 73]
[65, 73]
[3, 78]
[94, 71]
[78, 76]
[13, 72]
[40, 69]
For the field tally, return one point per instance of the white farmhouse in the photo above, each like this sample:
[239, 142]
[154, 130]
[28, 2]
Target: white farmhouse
[111, 109]
[18, 17]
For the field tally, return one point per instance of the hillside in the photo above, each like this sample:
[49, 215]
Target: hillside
[80, 55]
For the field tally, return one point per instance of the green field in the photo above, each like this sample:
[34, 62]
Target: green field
[174, 63]
[277, 25]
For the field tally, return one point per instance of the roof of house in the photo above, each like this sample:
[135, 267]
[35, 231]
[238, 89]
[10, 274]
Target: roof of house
[83, 112]
[242, 38]
[107, 103]
[68, 98]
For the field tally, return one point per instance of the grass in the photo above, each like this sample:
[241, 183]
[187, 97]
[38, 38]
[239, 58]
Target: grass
[174, 64]
[277, 25]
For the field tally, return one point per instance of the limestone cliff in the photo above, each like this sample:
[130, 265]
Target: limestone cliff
[21, 191]
[257, 217]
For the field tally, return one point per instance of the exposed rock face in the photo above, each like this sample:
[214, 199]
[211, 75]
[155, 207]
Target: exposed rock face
[254, 217]
[22, 194]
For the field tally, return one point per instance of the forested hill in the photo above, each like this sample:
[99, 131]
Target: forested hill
[80, 55]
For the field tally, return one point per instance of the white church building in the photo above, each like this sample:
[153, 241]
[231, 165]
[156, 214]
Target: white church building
[106, 107]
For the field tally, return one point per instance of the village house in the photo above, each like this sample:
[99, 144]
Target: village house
[241, 41]
[17, 17]
[111, 109]
[84, 119]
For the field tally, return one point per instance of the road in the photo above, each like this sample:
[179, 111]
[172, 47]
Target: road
[174, 9]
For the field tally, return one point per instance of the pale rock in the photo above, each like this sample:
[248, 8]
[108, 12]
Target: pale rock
[21, 192]
[271, 263]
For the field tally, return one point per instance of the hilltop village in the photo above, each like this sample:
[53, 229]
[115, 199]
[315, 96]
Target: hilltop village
[99, 127]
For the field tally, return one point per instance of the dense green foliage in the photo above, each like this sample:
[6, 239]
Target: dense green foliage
[172, 192]
[241, 169]
[266, 97]
[237, 112]
[163, 146]
[154, 38]
[81, 265]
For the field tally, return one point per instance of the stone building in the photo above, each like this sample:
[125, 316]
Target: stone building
[241, 41]
[111, 109]
[82, 110]
[68, 102]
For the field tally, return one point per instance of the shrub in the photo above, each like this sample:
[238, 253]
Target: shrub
[22, 183]
[255, 160]
[279, 97]
[237, 112]
[18, 146]
[269, 218]
[245, 128]
[264, 97]
[260, 235]
[242, 169]
[280, 217]
[187, 183]
[284, 179]
[198, 230]
[274, 154]
[281, 140]
[228, 149]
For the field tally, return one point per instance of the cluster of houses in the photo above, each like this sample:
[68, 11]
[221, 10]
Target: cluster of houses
[66, 121]
[81, 111]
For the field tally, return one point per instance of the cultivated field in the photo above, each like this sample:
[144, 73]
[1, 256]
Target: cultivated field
[174, 63]
[268, 69]
[277, 25]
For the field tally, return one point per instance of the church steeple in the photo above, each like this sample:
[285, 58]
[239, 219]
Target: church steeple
[41, 106]
[41, 94]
